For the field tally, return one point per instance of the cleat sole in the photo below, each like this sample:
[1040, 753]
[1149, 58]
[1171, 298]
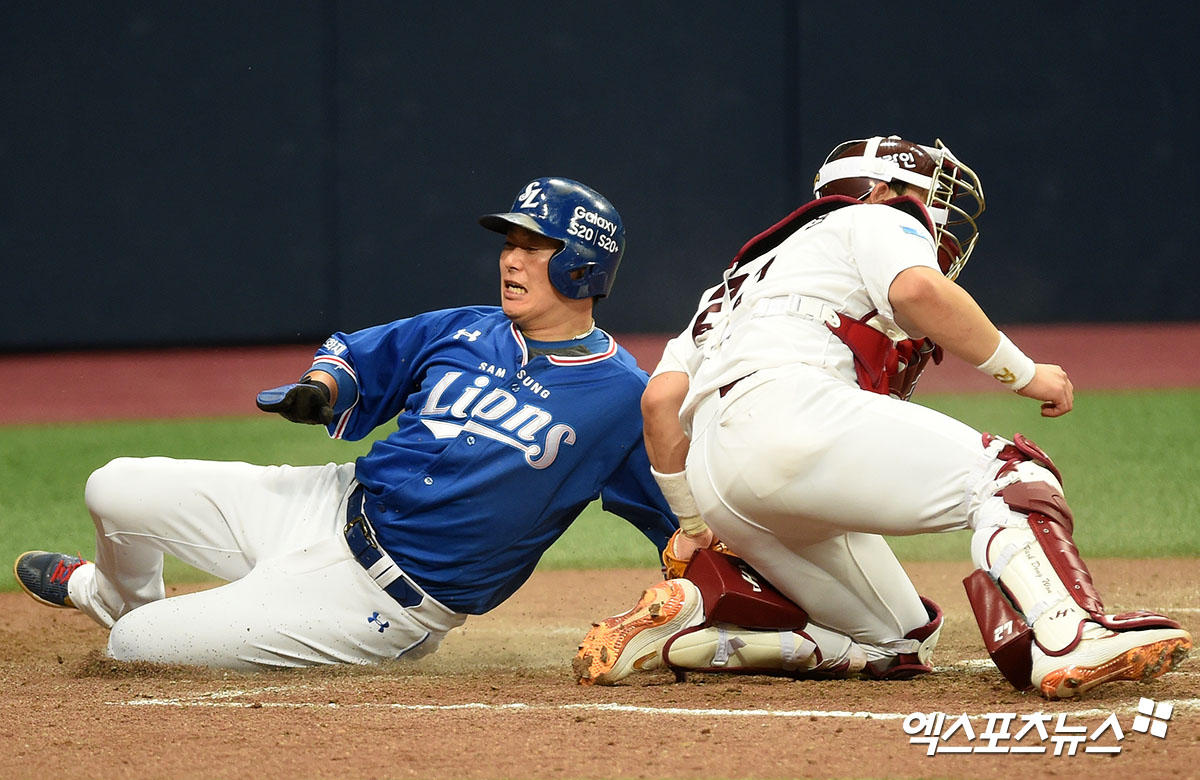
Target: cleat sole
[618, 645]
[1139, 664]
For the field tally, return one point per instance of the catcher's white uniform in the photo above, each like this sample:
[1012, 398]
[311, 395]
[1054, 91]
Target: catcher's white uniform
[801, 471]
[799, 459]
[793, 465]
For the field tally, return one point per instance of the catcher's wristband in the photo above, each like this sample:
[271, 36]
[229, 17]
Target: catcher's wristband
[679, 497]
[1009, 365]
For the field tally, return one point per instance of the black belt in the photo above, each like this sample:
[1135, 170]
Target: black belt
[365, 549]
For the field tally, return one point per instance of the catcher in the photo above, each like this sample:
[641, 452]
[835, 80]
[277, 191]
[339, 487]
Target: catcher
[779, 417]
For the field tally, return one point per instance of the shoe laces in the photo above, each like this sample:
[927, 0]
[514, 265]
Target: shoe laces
[62, 571]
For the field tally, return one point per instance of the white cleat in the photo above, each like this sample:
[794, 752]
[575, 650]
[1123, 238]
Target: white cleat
[1140, 656]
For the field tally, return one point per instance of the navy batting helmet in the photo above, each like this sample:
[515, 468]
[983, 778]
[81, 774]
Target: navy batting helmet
[583, 220]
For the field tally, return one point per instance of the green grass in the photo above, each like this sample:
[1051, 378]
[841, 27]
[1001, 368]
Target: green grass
[1131, 463]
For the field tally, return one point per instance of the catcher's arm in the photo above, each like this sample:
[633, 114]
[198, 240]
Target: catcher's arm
[927, 303]
[309, 401]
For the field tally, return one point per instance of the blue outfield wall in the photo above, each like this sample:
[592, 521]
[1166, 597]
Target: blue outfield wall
[222, 172]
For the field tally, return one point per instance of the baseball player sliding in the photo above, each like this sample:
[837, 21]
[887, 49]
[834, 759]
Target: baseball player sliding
[509, 420]
[776, 421]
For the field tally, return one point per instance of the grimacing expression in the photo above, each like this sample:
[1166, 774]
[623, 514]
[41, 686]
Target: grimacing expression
[526, 293]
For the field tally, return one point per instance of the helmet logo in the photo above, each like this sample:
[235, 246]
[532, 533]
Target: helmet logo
[903, 159]
[531, 191]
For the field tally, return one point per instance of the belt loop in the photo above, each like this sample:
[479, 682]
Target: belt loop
[356, 514]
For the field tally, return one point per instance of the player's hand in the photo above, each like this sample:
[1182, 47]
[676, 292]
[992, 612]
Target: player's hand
[1053, 388]
[306, 402]
[685, 546]
[680, 549]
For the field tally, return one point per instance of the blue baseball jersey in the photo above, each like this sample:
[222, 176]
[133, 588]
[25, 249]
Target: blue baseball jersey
[495, 451]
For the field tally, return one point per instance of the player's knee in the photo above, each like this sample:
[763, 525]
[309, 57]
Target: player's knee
[126, 640]
[109, 486]
[1028, 471]
[990, 509]
[146, 634]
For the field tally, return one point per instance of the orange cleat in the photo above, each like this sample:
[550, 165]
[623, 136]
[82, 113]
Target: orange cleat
[633, 641]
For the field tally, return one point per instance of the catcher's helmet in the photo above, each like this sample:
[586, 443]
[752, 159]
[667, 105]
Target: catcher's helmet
[954, 199]
[583, 220]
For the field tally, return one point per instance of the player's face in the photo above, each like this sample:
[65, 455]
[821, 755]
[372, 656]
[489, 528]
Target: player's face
[526, 294]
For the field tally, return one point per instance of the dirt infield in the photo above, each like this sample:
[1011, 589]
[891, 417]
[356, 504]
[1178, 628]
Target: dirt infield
[498, 702]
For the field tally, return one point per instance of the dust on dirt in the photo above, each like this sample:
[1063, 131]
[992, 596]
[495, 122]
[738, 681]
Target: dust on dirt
[499, 701]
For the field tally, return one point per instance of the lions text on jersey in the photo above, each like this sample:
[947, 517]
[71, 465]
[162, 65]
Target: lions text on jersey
[496, 450]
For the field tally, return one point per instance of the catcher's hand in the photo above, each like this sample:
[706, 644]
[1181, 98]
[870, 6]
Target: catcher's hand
[306, 402]
[681, 547]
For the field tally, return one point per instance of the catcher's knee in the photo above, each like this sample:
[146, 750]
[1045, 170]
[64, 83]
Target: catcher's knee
[751, 627]
[912, 655]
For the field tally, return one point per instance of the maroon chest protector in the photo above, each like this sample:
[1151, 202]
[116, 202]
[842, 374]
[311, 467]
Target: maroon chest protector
[880, 364]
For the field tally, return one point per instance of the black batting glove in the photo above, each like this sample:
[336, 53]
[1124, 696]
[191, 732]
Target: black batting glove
[306, 402]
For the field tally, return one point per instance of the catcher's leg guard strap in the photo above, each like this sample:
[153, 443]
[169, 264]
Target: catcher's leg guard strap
[1022, 449]
[922, 640]
[1008, 638]
[814, 653]
[726, 648]
[1053, 525]
[1019, 564]
[735, 593]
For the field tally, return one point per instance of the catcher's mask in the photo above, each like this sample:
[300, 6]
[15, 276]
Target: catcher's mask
[954, 193]
[583, 220]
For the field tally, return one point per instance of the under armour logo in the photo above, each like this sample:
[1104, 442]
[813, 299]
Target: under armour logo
[1153, 718]
[531, 191]
[470, 334]
[381, 623]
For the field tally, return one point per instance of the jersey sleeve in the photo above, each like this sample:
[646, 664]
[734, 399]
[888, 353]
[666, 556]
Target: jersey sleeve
[633, 494]
[887, 241]
[375, 367]
[684, 353]
[676, 355]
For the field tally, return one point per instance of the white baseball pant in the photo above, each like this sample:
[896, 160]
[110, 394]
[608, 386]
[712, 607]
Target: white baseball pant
[802, 475]
[297, 596]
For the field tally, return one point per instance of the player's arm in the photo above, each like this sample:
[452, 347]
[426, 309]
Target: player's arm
[667, 446]
[927, 303]
[666, 443]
